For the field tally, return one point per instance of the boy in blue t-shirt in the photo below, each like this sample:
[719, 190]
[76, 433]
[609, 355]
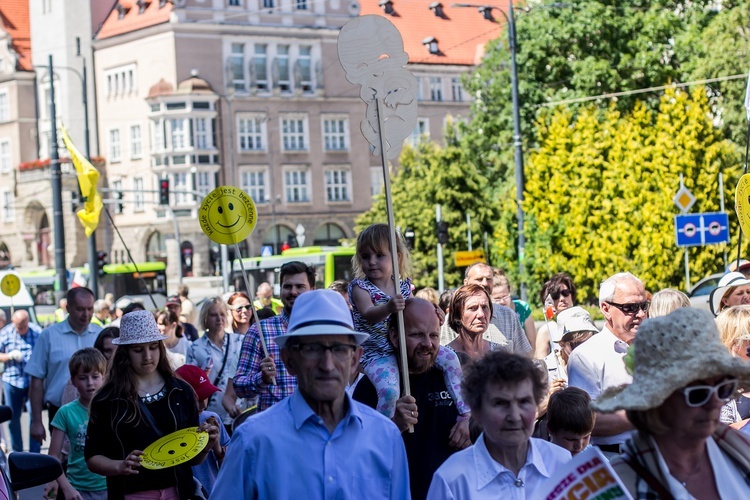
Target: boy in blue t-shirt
[207, 471]
[87, 367]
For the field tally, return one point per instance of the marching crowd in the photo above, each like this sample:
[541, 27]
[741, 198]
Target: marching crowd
[325, 398]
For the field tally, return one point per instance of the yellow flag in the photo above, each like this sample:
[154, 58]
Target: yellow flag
[88, 177]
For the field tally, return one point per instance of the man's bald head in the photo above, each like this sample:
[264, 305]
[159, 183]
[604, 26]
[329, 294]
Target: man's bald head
[20, 321]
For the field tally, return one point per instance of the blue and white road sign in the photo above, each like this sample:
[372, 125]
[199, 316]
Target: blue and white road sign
[709, 228]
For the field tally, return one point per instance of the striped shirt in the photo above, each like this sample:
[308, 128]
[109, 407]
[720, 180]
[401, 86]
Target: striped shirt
[11, 340]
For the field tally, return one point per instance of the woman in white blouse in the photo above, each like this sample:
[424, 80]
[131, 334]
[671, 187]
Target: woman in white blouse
[503, 391]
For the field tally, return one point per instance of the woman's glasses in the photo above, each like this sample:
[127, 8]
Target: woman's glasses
[565, 293]
[698, 395]
[244, 307]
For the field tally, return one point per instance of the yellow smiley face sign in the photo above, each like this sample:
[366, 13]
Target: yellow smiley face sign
[10, 284]
[742, 203]
[227, 215]
[174, 449]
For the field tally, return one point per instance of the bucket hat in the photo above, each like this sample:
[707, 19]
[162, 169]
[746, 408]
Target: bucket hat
[575, 319]
[669, 352]
[725, 283]
[138, 327]
[320, 312]
[198, 380]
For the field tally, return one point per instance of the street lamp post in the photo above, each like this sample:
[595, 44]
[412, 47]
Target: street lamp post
[517, 139]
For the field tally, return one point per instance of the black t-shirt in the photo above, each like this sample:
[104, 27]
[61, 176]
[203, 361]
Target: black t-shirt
[427, 447]
[190, 332]
[743, 407]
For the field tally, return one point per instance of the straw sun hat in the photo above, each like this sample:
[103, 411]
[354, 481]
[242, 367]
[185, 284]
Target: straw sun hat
[669, 352]
[138, 327]
[727, 281]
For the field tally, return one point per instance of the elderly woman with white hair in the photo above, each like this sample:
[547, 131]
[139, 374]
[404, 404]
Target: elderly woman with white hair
[682, 375]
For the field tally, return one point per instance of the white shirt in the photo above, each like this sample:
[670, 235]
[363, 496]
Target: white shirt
[597, 365]
[473, 474]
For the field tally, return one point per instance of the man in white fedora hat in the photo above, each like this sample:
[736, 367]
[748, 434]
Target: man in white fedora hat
[318, 442]
[597, 364]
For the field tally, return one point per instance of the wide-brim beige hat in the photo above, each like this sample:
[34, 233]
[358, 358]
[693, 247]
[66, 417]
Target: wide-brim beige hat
[138, 327]
[669, 353]
[725, 283]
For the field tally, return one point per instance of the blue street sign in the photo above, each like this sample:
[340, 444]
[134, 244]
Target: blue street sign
[709, 228]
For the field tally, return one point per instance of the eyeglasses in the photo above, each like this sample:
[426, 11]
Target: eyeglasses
[632, 308]
[315, 351]
[698, 395]
[244, 307]
[564, 293]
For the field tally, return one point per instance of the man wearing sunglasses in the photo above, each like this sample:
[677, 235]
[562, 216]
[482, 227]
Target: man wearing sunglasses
[597, 364]
[318, 442]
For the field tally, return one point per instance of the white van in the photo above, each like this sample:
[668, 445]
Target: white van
[21, 300]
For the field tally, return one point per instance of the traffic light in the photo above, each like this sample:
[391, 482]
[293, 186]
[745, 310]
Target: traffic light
[118, 196]
[101, 261]
[409, 237]
[442, 232]
[163, 191]
[75, 201]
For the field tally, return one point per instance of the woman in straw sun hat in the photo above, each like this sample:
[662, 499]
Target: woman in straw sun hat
[733, 290]
[141, 401]
[682, 375]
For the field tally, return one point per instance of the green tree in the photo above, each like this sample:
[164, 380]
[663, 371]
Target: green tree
[600, 188]
[431, 175]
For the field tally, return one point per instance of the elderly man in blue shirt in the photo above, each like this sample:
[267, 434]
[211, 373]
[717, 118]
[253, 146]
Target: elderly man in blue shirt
[48, 366]
[317, 443]
[16, 343]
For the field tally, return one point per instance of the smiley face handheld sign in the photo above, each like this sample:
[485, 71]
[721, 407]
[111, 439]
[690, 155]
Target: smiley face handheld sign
[174, 449]
[227, 215]
[742, 203]
[10, 285]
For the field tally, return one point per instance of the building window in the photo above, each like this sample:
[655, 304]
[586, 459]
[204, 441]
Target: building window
[204, 182]
[237, 62]
[335, 134]
[282, 64]
[293, 133]
[117, 194]
[235, 3]
[180, 187]
[158, 136]
[139, 203]
[436, 88]
[337, 185]
[4, 106]
[420, 88]
[421, 131]
[136, 142]
[203, 133]
[376, 180]
[253, 182]
[178, 134]
[268, 4]
[300, 4]
[304, 63]
[457, 90]
[250, 133]
[5, 158]
[260, 66]
[9, 206]
[115, 151]
[295, 186]
[121, 80]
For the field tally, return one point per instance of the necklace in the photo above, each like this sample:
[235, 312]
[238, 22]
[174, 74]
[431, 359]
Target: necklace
[152, 398]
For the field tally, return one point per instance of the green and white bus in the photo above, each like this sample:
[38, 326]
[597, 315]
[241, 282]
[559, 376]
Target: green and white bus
[330, 263]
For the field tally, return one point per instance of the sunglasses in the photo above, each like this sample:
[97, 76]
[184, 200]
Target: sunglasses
[564, 293]
[632, 308]
[698, 395]
[241, 308]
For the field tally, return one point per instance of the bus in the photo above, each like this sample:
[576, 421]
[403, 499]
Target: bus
[118, 279]
[330, 263]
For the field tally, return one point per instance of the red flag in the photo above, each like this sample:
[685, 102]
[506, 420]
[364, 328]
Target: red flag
[549, 307]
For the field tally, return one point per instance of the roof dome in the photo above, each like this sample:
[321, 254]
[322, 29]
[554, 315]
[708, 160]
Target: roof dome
[194, 85]
[163, 87]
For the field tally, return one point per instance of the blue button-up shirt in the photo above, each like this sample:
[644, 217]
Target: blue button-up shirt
[11, 340]
[287, 452]
[53, 349]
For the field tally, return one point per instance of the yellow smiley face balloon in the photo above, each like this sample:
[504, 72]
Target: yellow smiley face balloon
[742, 203]
[10, 284]
[174, 449]
[227, 215]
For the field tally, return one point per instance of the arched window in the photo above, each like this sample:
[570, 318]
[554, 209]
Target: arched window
[4, 256]
[329, 234]
[280, 237]
[156, 248]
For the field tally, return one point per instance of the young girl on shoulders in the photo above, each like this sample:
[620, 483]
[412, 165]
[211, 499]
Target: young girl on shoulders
[374, 298]
[140, 402]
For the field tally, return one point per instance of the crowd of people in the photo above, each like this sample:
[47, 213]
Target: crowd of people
[326, 397]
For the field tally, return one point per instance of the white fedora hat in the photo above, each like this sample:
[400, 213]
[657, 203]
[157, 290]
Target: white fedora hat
[725, 283]
[320, 312]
